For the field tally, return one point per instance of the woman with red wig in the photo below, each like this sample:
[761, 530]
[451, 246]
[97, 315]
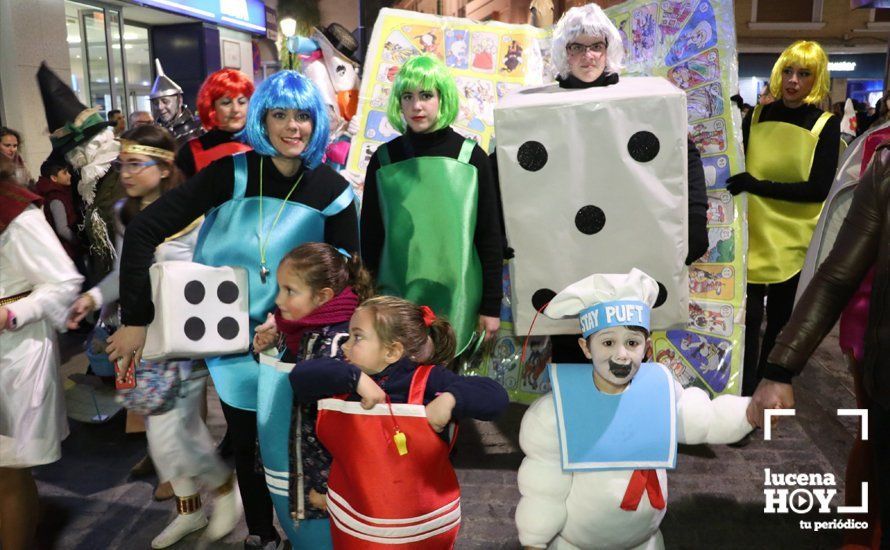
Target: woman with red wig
[222, 107]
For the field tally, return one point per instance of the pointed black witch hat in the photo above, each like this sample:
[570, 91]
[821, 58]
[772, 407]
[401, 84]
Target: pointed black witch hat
[70, 122]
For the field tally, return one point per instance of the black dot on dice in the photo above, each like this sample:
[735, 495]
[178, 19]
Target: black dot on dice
[227, 292]
[228, 328]
[194, 292]
[541, 297]
[532, 156]
[643, 146]
[590, 219]
[194, 329]
[662, 296]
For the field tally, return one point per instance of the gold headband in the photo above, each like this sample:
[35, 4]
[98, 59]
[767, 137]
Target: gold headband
[137, 149]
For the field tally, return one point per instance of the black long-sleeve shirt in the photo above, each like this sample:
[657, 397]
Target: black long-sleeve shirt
[208, 189]
[185, 160]
[487, 237]
[477, 397]
[825, 158]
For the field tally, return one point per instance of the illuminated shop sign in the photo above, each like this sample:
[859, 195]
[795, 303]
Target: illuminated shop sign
[245, 15]
[842, 66]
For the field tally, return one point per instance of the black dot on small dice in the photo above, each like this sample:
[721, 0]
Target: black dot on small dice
[194, 292]
[590, 219]
[532, 156]
[228, 328]
[227, 292]
[662, 296]
[643, 146]
[541, 297]
[194, 329]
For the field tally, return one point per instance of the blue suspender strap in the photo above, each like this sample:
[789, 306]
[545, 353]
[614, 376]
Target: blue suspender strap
[466, 151]
[240, 185]
[346, 198]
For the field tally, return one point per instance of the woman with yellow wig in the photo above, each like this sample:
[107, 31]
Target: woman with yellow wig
[791, 154]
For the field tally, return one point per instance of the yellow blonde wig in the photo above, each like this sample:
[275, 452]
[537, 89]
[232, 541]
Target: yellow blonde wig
[809, 55]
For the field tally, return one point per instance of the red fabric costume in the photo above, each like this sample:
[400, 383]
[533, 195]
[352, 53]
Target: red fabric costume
[379, 496]
[203, 157]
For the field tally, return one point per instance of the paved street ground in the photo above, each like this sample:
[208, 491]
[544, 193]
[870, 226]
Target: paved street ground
[716, 493]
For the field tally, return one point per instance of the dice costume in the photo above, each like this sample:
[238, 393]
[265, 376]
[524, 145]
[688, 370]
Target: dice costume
[594, 475]
[544, 152]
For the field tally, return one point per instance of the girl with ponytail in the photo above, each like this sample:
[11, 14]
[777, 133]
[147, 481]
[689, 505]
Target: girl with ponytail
[319, 288]
[397, 384]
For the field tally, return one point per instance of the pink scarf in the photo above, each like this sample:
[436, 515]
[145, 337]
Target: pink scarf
[338, 309]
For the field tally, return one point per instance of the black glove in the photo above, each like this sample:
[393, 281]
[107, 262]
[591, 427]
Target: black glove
[740, 183]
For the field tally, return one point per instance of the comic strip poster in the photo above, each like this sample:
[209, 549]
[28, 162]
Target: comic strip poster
[692, 44]
[486, 59]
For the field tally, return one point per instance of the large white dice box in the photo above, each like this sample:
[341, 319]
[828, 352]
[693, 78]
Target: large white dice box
[200, 311]
[594, 181]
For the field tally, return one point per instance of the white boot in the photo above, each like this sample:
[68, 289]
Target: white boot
[227, 511]
[189, 519]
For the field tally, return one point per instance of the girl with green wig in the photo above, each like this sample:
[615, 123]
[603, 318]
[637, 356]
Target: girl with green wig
[791, 155]
[429, 222]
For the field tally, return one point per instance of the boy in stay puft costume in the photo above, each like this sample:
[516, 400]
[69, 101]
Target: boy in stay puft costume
[597, 447]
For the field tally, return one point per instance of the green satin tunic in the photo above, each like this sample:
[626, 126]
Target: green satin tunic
[428, 206]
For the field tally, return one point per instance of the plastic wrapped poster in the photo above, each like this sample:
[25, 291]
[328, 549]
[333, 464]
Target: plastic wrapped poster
[692, 44]
[486, 59]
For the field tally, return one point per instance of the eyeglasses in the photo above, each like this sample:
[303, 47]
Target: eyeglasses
[577, 49]
[133, 168]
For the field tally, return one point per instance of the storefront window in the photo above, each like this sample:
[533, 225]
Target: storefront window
[138, 61]
[97, 70]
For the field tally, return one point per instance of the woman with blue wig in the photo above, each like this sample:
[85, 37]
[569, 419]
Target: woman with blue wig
[258, 205]
[430, 213]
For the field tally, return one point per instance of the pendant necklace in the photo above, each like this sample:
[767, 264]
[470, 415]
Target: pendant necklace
[264, 271]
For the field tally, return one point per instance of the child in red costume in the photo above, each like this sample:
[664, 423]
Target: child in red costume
[391, 481]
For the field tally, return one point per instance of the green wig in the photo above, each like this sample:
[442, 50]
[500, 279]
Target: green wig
[428, 73]
[809, 55]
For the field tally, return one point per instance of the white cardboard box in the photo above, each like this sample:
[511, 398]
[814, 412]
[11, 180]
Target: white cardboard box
[594, 181]
[200, 311]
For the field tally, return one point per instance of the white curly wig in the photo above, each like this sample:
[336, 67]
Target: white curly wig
[587, 20]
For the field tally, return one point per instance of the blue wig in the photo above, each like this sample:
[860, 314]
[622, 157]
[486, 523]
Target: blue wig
[287, 90]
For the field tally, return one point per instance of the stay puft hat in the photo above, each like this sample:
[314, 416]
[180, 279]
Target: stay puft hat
[607, 300]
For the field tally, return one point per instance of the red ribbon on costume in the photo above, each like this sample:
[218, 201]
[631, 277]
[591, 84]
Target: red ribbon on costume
[428, 315]
[643, 480]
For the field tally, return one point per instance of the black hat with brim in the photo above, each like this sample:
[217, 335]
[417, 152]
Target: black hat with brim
[69, 121]
[341, 40]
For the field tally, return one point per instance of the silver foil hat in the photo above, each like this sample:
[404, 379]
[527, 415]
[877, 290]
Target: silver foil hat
[163, 86]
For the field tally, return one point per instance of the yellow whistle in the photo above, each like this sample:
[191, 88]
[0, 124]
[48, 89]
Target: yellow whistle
[401, 443]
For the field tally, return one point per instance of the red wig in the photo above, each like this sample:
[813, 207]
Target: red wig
[224, 82]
